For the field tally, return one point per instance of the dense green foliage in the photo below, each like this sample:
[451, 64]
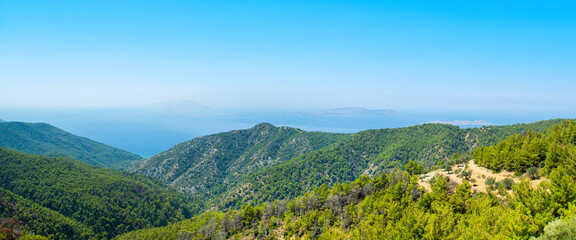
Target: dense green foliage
[521, 151]
[265, 163]
[46, 140]
[18, 213]
[208, 166]
[560, 230]
[260, 172]
[490, 135]
[388, 207]
[368, 152]
[392, 206]
[97, 202]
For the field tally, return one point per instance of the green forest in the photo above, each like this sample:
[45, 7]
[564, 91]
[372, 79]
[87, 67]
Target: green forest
[277, 182]
[211, 166]
[393, 206]
[46, 140]
[369, 152]
[65, 199]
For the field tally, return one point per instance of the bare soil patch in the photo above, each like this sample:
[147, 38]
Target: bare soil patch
[479, 174]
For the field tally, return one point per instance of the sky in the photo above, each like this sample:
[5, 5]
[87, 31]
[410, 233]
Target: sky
[452, 55]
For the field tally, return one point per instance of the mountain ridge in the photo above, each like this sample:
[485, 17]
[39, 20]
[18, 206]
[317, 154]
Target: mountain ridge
[47, 140]
[250, 171]
[368, 152]
[208, 165]
[394, 206]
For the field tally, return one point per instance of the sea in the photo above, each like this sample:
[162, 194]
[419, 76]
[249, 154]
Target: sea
[148, 132]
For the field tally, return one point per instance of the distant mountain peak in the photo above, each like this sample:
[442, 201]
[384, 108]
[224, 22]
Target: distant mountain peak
[263, 125]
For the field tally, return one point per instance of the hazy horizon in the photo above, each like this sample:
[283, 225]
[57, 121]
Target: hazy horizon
[512, 56]
[123, 72]
[148, 131]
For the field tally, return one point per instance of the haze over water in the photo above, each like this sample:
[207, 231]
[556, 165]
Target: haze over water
[145, 75]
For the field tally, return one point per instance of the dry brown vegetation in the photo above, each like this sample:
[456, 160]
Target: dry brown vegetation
[478, 176]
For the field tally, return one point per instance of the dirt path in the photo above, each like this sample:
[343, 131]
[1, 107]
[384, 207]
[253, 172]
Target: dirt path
[479, 174]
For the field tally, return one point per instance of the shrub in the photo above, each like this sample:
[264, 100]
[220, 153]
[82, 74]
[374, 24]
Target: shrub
[532, 172]
[560, 229]
[507, 183]
[490, 181]
[466, 174]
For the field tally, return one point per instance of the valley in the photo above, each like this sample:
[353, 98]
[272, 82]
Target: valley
[282, 182]
[393, 205]
[292, 120]
[278, 162]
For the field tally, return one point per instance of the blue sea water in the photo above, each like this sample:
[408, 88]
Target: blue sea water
[148, 132]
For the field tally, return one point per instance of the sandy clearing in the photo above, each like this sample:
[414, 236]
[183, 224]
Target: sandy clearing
[480, 174]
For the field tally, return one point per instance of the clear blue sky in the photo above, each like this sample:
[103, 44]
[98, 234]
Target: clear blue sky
[415, 55]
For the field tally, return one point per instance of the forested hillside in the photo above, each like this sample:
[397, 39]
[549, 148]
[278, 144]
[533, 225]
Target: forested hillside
[368, 152]
[18, 214]
[490, 135]
[291, 183]
[522, 151]
[66, 199]
[393, 206]
[46, 140]
[207, 166]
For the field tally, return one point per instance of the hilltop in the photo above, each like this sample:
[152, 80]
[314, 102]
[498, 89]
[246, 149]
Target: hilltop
[283, 182]
[209, 165]
[267, 162]
[393, 206]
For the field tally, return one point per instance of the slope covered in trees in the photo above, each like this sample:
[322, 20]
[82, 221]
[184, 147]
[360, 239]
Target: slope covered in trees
[46, 140]
[208, 166]
[521, 151]
[393, 206]
[19, 214]
[368, 152]
[218, 170]
[67, 199]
